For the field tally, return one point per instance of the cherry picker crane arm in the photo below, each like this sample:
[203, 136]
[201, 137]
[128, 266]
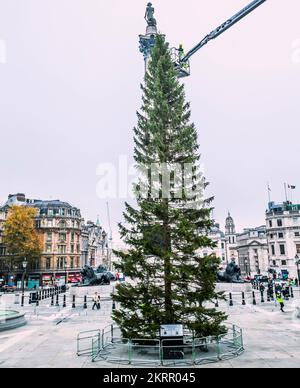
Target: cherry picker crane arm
[225, 26]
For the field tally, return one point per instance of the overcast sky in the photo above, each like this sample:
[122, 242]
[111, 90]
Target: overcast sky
[70, 87]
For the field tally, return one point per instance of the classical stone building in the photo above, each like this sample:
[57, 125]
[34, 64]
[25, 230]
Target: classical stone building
[94, 244]
[218, 237]
[60, 225]
[283, 233]
[252, 248]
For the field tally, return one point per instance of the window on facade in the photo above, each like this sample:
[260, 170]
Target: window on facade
[282, 249]
[37, 224]
[48, 248]
[48, 263]
[273, 250]
[295, 221]
[72, 236]
[274, 263]
[270, 224]
[279, 222]
[62, 236]
[283, 262]
[222, 245]
[72, 248]
[280, 235]
[50, 212]
[78, 262]
[298, 248]
[62, 249]
[72, 262]
[78, 248]
[63, 212]
[60, 262]
[297, 234]
[49, 236]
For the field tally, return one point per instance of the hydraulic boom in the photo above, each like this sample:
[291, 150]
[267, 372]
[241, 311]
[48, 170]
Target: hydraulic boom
[225, 26]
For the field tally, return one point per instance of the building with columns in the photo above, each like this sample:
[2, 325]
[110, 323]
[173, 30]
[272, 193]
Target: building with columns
[94, 244]
[252, 248]
[283, 234]
[218, 237]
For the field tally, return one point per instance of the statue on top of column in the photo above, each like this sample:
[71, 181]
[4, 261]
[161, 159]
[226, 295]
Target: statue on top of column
[149, 15]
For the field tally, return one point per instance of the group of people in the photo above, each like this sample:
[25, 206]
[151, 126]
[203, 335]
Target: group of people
[281, 290]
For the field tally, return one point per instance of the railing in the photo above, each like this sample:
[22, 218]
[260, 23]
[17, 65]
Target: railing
[113, 348]
[88, 342]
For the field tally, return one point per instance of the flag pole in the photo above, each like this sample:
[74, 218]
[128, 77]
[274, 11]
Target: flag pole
[269, 192]
[286, 195]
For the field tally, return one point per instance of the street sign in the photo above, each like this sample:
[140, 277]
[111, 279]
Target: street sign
[171, 331]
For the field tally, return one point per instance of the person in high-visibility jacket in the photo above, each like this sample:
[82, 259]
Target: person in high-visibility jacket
[279, 299]
[181, 55]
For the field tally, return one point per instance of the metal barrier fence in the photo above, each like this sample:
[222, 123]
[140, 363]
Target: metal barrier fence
[109, 346]
[84, 340]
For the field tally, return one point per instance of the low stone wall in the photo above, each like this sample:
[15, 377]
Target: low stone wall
[11, 320]
[234, 287]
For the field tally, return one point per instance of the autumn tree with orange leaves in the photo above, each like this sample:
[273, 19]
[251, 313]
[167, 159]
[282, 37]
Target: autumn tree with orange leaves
[20, 236]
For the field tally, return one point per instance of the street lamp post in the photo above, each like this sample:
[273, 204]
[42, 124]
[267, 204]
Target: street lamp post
[66, 273]
[297, 260]
[24, 264]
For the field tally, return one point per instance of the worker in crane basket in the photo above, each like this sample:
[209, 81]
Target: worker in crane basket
[181, 55]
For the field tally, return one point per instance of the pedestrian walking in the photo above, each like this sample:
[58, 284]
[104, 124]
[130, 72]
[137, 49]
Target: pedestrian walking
[280, 301]
[96, 300]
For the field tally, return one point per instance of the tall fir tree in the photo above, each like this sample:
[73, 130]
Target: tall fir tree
[171, 283]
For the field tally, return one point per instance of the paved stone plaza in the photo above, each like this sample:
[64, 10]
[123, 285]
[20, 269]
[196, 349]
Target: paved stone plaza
[271, 338]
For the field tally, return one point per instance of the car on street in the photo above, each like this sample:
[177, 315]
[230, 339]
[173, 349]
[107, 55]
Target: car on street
[8, 288]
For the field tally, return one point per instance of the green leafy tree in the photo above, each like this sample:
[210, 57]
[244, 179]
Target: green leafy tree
[20, 237]
[171, 283]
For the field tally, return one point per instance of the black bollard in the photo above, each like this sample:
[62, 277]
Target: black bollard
[73, 303]
[22, 300]
[230, 299]
[30, 298]
[243, 299]
[85, 302]
[254, 300]
[114, 304]
[65, 304]
[57, 301]
[268, 296]
[52, 300]
[262, 297]
[292, 292]
[40, 295]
